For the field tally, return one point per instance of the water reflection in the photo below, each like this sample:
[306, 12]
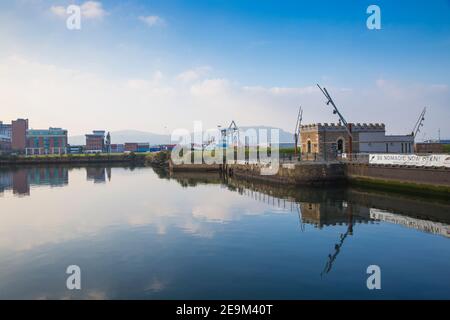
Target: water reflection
[19, 180]
[144, 234]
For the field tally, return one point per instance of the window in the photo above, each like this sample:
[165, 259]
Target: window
[309, 146]
[340, 146]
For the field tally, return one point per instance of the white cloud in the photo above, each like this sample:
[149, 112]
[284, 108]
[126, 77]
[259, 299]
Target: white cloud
[89, 10]
[85, 101]
[153, 21]
[59, 11]
[193, 74]
[210, 87]
[92, 10]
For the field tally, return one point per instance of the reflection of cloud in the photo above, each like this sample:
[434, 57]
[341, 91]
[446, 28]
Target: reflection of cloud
[72, 212]
[156, 285]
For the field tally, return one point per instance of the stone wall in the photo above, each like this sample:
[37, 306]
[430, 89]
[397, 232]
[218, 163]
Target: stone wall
[401, 174]
[299, 174]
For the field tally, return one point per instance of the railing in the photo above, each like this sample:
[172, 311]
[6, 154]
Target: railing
[354, 157]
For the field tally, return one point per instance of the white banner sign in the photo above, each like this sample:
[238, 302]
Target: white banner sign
[432, 160]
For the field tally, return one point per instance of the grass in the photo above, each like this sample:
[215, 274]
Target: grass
[402, 187]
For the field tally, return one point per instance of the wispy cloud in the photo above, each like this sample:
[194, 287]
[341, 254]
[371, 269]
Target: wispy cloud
[153, 21]
[92, 10]
[89, 10]
[193, 74]
[59, 11]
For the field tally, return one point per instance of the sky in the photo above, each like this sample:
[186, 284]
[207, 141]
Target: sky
[160, 65]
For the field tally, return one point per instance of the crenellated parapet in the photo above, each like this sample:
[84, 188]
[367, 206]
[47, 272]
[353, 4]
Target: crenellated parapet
[361, 127]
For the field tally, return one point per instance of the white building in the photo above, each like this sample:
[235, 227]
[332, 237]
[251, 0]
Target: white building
[379, 142]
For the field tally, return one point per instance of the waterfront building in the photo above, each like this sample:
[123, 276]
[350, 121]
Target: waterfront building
[143, 147]
[137, 147]
[432, 146]
[75, 149]
[5, 130]
[167, 147]
[327, 140]
[117, 148]
[131, 147]
[95, 142]
[19, 129]
[48, 141]
[5, 136]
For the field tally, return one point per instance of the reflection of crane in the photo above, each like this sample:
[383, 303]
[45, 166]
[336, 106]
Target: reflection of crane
[297, 130]
[302, 224]
[337, 246]
[419, 123]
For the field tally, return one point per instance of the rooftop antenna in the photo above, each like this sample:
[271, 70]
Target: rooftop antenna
[419, 123]
[297, 130]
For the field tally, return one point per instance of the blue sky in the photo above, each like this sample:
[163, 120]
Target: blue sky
[252, 61]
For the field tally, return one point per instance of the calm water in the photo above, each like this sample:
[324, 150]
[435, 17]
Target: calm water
[137, 234]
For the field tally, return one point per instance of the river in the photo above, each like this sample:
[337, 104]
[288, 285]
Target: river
[140, 234]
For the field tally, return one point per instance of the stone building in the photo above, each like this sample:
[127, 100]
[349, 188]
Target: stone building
[328, 140]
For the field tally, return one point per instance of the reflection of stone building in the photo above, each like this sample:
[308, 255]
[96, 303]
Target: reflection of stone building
[96, 174]
[326, 140]
[332, 213]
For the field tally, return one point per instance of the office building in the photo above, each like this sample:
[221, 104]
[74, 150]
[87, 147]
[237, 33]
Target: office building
[49, 141]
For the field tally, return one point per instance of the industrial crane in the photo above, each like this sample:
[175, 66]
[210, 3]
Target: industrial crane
[341, 117]
[232, 131]
[419, 123]
[297, 130]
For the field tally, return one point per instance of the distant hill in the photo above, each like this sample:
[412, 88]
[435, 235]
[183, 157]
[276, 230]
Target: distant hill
[128, 136]
[154, 138]
[285, 137]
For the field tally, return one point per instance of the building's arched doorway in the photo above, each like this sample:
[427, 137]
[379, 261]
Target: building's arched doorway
[340, 145]
[309, 146]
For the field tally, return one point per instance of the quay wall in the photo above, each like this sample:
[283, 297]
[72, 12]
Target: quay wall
[304, 174]
[401, 178]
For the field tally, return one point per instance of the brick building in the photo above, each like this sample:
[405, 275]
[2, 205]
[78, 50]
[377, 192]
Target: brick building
[131, 147]
[48, 141]
[430, 147]
[327, 140]
[19, 129]
[95, 142]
